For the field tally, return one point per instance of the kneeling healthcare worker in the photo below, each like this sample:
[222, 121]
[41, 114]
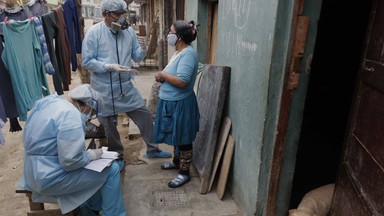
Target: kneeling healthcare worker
[55, 156]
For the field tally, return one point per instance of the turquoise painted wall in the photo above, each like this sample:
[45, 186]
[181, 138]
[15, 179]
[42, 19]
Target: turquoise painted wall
[245, 43]
[254, 40]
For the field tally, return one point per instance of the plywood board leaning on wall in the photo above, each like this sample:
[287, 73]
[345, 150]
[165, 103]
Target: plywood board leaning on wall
[223, 136]
[221, 185]
[211, 95]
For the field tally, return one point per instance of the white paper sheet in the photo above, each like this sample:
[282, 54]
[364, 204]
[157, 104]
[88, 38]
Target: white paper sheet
[106, 159]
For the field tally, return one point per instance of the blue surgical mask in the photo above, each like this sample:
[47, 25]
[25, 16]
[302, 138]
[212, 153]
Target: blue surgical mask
[85, 116]
[172, 39]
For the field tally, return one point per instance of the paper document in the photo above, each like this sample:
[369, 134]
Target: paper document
[106, 159]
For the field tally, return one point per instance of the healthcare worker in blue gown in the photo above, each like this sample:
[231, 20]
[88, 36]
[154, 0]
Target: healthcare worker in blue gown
[55, 156]
[108, 49]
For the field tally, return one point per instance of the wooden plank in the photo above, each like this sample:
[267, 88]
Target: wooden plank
[32, 205]
[225, 167]
[51, 212]
[211, 96]
[223, 135]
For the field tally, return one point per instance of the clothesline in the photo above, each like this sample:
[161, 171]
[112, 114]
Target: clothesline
[36, 42]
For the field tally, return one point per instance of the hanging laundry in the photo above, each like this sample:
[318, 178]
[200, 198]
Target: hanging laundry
[2, 5]
[73, 30]
[51, 32]
[13, 12]
[37, 7]
[22, 57]
[64, 41]
[47, 60]
[8, 97]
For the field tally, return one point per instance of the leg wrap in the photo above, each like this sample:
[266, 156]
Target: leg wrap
[185, 162]
[176, 158]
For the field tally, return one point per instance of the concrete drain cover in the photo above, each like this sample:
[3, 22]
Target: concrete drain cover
[169, 198]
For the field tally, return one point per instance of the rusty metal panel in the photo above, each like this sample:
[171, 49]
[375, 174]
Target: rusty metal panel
[300, 35]
[297, 51]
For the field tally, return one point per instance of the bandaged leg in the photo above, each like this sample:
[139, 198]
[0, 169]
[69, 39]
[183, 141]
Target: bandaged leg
[185, 159]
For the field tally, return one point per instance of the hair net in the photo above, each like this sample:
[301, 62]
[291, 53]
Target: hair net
[87, 95]
[113, 5]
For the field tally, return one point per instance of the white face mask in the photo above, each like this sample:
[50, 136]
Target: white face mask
[172, 39]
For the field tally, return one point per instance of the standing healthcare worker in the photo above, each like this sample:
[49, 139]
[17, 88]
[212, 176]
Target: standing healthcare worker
[55, 157]
[107, 51]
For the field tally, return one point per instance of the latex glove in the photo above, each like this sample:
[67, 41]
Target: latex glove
[117, 68]
[95, 154]
[143, 47]
[134, 72]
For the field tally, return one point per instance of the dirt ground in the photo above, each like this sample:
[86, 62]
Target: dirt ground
[11, 165]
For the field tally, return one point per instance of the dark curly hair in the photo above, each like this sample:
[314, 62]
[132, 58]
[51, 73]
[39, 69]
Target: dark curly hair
[187, 31]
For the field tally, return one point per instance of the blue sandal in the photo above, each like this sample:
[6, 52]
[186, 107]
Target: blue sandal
[180, 180]
[158, 154]
[169, 165]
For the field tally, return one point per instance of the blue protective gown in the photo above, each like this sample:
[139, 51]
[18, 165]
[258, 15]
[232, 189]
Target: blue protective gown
[55, 154]
[100, 46]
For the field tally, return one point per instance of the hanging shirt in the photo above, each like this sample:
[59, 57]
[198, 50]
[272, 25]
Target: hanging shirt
[6, 90]
[17, 14]
[37, 8]
[54, 50]
[22, 57]
[64, 44]
[46, 59]
[73, 30]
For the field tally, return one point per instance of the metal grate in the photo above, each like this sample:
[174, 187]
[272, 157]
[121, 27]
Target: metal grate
[169, 198]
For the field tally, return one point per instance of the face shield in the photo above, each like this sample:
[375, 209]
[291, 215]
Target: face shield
[121, 23]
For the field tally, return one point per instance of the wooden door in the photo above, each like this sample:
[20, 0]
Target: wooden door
[360, 183]
[212, 28]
